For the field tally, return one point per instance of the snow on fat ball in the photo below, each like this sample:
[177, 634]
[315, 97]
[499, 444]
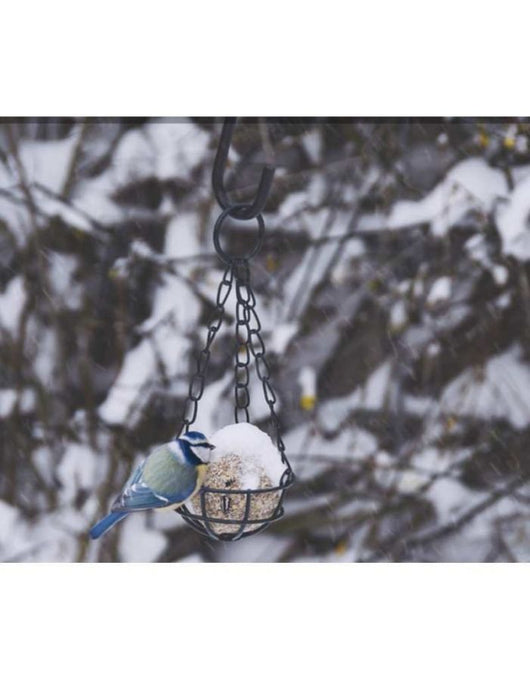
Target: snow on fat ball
[250, 443]
[244, 458]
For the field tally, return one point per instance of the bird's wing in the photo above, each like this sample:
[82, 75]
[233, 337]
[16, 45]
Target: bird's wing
[138, 495]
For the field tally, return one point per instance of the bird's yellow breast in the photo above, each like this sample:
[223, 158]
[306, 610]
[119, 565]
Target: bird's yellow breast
[201, 476]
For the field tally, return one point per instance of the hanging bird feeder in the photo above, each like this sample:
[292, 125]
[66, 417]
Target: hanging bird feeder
[249, 473]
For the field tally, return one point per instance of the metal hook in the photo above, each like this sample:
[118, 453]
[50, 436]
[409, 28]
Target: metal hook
[246, 211]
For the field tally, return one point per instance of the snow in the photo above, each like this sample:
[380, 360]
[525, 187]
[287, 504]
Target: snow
[173, 298]
[450, 498]
[419, 406]
[134, 157]
[8, 520]
[8, 399]
[182, 235]
[521, 144]
[12, 302]
[43, 460]
[307, 276]
[93, 196]
[174, 315]
[430, 470]
[13, 213]
[312, 143]
[477, 248]
[471, 184]
[137, 543]
[416, 337]
[45, 539]
[44, 363]
[500, 274]
[351, 249]
[418, 287]
[517, 536]
[194, 558]
[308, 449]
[178, 146]
[253, 446]
[410, 482]
[329, 439]
[281, 336]
[62, 279]
[47, 162]
[259, 409]
[513, 222]
[307, 380]
[53, 207]
[163, 149]
[212, 406]
[371, 395]
[433, 349]
[440, 291]
[171, 348]
[77, 470]
[398, 315]
[495, 390]
[261, 548]
[372, 222]
[293, 208]
[316, 190]
[138, 368]
[293, 203]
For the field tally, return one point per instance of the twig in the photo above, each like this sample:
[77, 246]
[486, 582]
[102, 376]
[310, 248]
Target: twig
[74, 159]
[406, 543]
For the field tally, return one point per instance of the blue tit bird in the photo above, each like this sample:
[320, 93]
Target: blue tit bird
[167, 478]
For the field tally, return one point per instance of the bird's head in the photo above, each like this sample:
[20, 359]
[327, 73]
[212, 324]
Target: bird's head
[198, 445]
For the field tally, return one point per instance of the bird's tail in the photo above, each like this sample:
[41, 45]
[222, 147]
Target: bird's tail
[106, 523]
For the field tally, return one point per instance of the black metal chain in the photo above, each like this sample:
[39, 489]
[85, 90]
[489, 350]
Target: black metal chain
[248, 326]
[250, 342]
[196, 387]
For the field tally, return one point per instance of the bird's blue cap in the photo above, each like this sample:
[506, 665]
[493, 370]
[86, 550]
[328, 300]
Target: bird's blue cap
[196, 439]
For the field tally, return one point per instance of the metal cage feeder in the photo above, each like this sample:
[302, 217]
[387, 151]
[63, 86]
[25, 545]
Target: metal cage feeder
[221, 527]
[228, 514]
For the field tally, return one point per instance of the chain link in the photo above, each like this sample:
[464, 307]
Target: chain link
[248, 340]
[249, 343]
[196, 387]
[252, 343]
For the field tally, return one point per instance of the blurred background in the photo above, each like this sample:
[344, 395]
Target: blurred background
[394, 293]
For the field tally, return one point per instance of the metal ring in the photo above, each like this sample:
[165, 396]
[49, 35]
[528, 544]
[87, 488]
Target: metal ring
[231, 210]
